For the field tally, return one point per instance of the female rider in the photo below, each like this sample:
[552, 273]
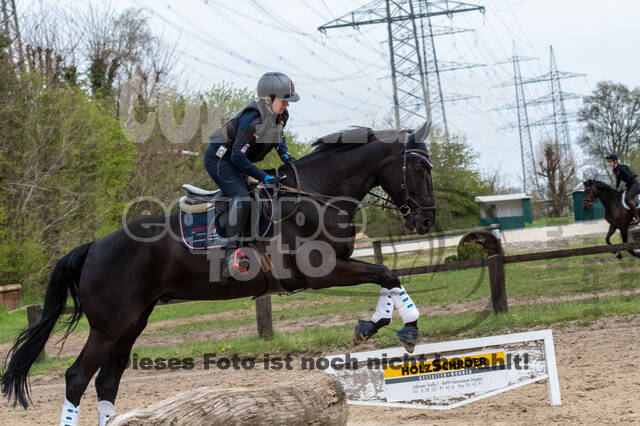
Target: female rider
[624, 174]
[246, 138]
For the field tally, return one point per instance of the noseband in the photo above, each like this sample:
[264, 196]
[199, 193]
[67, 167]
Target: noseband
[405, 210]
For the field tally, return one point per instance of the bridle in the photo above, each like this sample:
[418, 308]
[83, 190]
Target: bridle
[387, 202]
[405, 209]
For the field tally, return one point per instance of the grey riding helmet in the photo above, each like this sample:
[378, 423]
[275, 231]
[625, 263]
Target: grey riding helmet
[278, 85]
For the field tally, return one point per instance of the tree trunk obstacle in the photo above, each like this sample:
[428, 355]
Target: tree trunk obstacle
[313, 399]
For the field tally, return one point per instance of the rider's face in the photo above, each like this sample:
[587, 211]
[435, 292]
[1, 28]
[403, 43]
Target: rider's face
[279, 105]
[611, 163]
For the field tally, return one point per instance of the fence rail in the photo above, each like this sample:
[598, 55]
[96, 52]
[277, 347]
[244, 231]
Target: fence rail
[495, 264]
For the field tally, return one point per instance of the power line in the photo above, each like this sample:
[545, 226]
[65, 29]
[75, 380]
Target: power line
[412, 71]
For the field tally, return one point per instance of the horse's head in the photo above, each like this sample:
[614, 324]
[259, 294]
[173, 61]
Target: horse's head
[590, 193]
[407, 179]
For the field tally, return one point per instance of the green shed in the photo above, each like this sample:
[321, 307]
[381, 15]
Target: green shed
[579, 213]
[510, 210]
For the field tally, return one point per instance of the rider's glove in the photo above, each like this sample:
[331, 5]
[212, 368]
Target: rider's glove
[288, 158]
[271, 180]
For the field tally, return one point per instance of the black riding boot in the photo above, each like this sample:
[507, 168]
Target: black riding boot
[634, 212]
[234, 231]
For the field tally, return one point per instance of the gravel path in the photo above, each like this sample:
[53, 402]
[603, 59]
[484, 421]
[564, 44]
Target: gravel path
[544, 235]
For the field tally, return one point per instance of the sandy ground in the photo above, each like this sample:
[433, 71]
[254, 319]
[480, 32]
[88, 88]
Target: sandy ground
[535, 238]
[598, 369]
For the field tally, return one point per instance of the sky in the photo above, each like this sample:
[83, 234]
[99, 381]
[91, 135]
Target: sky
[343, 75]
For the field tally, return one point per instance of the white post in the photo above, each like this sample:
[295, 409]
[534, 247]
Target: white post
[552, 370]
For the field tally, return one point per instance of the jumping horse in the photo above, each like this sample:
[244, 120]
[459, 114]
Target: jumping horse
[117, 280]
[615, 212]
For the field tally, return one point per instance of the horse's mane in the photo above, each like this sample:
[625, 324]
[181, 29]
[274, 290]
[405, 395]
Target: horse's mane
[354, 137]
[598, 184]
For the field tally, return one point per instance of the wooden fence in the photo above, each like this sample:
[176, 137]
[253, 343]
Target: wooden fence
[495, 264]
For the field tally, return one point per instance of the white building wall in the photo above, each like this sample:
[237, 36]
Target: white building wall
[509, 208]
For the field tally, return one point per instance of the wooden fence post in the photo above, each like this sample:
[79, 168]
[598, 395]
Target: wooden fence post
[377, 251]
[263, 316]
[497, 280]
[34, 313]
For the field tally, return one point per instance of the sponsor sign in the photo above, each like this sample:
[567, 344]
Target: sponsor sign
[448, 374]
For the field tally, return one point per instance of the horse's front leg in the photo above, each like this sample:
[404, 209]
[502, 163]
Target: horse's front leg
[392, 294]
[607, 238]
[388, 299]
[347, 273]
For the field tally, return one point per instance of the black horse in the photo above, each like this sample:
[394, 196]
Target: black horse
[117, 280]
[614, 212]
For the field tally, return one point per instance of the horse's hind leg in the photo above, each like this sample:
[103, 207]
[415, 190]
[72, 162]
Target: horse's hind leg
[108, 380]
[98, 346]
[101, 342]
[625, 236]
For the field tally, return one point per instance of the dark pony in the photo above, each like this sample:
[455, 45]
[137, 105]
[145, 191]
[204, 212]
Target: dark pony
[618, 217]
[117, 280]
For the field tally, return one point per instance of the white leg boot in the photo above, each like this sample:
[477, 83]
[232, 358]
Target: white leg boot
[384, 308]
[405, 306]
[106, 411]
[70, 415]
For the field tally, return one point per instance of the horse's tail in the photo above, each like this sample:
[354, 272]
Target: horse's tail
[30, 342]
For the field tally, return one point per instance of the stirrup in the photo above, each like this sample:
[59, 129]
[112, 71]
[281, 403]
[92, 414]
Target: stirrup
[239, 266]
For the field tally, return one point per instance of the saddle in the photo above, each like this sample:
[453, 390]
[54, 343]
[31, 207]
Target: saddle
[636, 199]
[204, 216]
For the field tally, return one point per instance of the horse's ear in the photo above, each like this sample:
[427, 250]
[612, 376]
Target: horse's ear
[422, 133]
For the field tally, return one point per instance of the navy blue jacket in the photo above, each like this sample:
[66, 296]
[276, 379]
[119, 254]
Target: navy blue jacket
[248, 149]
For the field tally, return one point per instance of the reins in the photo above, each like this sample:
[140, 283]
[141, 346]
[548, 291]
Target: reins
[404, 209]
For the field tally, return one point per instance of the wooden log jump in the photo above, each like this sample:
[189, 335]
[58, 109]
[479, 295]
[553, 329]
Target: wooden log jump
[313, 399]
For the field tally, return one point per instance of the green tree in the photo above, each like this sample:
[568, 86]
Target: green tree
[456, 181]
[63, 174]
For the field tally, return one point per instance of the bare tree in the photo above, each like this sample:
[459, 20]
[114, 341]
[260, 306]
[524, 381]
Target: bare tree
[107, 46]
[559, 173]
[48, 26]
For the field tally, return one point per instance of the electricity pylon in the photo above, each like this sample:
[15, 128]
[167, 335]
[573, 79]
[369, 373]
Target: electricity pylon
[415, 71]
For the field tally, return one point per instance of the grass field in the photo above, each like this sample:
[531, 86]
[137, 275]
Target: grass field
[451, 303]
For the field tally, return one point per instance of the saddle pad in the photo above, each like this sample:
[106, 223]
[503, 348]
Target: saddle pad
[198, 230]
[624, 203]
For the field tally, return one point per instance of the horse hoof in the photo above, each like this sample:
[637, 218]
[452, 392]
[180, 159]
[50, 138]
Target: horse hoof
[362, 331]
[619, 255]
[408, 346]
[408, 337]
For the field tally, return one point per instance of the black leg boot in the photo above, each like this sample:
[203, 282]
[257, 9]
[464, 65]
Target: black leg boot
[634, 212]
[233, 262]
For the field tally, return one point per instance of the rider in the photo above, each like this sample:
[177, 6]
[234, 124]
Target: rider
[624, 174]
[246, 138]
